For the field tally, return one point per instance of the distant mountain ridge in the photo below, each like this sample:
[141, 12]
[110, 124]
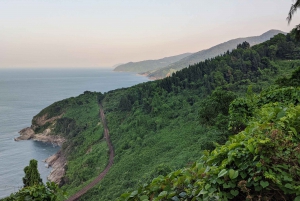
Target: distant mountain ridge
[149, 65]
[210, 53]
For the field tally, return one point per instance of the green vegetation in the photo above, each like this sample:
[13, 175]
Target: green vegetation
[210, 53]
[260, 163]
[32, 175]
[34, 189]
[160, 126]
[149, 65]
[164, 125]
[85, 149]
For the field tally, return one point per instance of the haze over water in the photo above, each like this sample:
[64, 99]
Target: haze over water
[25, 92]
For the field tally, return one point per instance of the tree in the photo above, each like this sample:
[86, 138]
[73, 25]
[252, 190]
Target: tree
[32, 175]
[293, 9]
[34, 189]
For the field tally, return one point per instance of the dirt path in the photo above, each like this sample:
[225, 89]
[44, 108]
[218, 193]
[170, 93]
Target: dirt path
[110, 163]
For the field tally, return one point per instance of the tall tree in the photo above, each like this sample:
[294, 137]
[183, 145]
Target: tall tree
[32, 175]
[293, 9]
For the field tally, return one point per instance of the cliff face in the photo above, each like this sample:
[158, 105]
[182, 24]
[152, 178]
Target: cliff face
[45, 136]
[39, 121]
[57, 161]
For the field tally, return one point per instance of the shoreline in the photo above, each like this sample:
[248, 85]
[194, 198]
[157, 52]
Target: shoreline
[144, 74]
[56, 161]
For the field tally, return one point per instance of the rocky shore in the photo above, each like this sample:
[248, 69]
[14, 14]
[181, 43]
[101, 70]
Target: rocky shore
[28, 134]
[57, 161]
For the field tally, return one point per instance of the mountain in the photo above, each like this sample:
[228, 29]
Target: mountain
[149, 65]
[210, 53]
[160, 126]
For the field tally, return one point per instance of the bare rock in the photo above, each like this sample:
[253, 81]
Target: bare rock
[25, 134]
[58, 163]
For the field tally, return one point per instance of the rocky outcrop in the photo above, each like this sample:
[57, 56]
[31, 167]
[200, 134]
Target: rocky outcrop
[25, 134]
[46, 136]
[42, 120]
[58, 163]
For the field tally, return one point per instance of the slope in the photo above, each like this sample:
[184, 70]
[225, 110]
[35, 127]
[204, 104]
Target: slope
[259, 163]
[149, 65]
[163, 125]
[210, 53]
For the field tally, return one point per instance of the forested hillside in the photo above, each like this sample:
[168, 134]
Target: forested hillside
[259, 163]
[149, 65]
[85, 149]
[163, 125]
[210, 53]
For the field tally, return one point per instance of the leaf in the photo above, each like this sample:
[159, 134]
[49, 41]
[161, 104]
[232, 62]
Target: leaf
[203, 192]
[175, 198]
[286, 178]
[233, 174]
[225, 185]
[234, 192]
[251, 148]
[163, 194]
[134, 193]
[281, 114]
[222, 173]
[288, 186]
[297, 198]
[182, 194]
[144, 197]
[264, 184]
[207, 186]
[293, 130]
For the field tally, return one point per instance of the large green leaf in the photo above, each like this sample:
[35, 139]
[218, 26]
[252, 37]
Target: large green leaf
[233, 174]
[222, 173]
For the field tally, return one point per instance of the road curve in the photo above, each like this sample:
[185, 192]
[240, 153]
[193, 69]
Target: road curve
[110, 163]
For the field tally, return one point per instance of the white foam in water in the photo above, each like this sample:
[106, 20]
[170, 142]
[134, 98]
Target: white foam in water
[25, 92]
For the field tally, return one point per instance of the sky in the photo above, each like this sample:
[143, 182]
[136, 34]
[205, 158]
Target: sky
[103, 33]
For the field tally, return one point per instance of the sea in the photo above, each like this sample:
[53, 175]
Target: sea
[24, 93]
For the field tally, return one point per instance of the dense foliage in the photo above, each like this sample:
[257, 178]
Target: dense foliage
[260, 163]
[163, 125]
[32, 175]
[160, 126]
[85, 149]
[34, 189]
[48, 192]
[210, 53]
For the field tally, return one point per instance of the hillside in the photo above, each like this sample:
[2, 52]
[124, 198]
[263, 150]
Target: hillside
[259, 163]
[159, 126]
[164, 125]
[210, 53]
[149, 65]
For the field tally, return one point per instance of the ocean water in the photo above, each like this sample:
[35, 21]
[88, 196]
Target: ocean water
[25, 92]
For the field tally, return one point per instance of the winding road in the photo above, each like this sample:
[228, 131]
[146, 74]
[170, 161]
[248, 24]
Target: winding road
[107, 168]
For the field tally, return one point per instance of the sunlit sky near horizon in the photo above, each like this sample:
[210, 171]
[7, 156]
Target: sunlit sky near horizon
[101, 33]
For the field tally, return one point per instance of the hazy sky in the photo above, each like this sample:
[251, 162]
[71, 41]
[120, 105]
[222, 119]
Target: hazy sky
[101, 33]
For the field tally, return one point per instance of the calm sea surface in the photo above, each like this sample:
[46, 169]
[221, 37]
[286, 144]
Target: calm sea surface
[23, 93]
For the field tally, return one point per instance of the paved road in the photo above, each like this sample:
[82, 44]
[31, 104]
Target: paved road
[110, 163]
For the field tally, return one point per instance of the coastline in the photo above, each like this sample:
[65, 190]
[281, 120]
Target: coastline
[57, 161]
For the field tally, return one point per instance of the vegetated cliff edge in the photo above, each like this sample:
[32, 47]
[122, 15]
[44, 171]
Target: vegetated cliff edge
[210, 53]
[56, 161]
[166, 124]
[70, 123]
[161, 125]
